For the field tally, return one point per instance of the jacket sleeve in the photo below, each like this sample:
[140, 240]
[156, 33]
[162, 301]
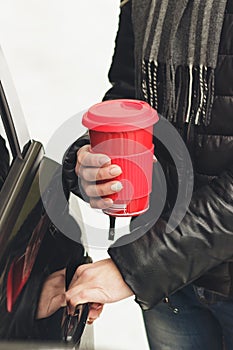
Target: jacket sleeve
[70, 180]
[122, 71]
[159, 263]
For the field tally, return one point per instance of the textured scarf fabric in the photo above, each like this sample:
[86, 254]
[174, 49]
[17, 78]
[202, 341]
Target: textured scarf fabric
[179, 38]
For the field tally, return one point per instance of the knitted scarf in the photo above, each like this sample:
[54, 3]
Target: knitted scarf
[178, 39]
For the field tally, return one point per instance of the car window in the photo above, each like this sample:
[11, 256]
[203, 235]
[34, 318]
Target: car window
[14, 136]
[10, 108]
[6, 157]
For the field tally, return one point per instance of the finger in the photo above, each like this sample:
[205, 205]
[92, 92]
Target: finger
[96, 306]
[101, 189]
[95, 313]
[55, 303]
[60, 300]
[97, 174]
[92, 317]
[90, 321]
[82, 294]
[101, 203]
[86, 158]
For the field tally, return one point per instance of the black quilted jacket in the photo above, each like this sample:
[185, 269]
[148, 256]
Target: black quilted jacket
[200, 249]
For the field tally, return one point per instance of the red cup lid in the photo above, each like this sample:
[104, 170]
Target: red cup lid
[120, 115]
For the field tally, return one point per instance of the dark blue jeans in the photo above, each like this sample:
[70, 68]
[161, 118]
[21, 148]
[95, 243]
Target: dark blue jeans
[193, 319]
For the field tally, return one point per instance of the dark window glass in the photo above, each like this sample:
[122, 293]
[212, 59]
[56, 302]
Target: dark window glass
[5, 155]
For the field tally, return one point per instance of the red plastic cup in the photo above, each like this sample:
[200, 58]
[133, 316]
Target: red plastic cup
[123, 130]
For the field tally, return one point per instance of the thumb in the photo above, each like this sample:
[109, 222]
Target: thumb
[56, 303]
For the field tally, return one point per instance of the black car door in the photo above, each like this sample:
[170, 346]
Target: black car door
[32, 247]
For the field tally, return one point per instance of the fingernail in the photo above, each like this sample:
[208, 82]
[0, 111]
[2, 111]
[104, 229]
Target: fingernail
[97, 307]
[116, 187]
[104, 160]
[154, 159]
[108, 200]
[115, 170]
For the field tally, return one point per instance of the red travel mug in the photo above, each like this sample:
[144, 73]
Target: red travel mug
[123, 130]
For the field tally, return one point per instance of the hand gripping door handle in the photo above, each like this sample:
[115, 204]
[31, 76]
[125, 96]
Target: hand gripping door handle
[74, 325]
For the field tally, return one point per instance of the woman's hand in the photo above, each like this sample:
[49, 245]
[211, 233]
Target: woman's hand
[53, 297]
[92, 167]
[98, 283]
